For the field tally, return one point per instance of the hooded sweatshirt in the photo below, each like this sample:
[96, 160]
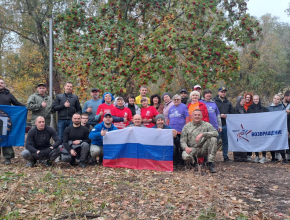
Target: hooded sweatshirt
[257, 108]
[239, 109]
[273, 108]
[95, 134]
[247, 105]
[6, 98]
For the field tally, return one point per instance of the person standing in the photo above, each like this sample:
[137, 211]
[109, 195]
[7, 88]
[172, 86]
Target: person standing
[6, 98]
[143, 92]
[225, 107]
[121, 115]
[148, 113]
[277, 106]
[196, 104]
[249, 100]
[286, 101]
[239, 109]
[184, 96]
[166, 97]
[91, 106]
[106, 106]
[40, 104]
[66, 104]
[155, 101]
[76, 141]
[256, 107]
[132, 106]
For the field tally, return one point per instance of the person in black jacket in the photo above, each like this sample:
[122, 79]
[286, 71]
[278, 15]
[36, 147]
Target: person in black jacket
[225, 107]
[6, 98]
[257, 107]
[66, 104]
[239, 109]
[38, 145]
[76, 141]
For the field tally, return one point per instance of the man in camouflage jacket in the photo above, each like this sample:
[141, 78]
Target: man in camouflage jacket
[40, 104]
[199, 139]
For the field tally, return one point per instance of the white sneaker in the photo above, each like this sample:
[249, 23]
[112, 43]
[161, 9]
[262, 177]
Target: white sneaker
[262, 160]
[256, 160]
[249, 158]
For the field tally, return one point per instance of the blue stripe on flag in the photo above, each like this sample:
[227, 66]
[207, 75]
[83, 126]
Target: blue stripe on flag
[138, 151]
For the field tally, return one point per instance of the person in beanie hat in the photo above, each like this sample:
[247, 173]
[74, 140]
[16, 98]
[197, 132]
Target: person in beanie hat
[106, 107]
[166, 97]
[121, 115]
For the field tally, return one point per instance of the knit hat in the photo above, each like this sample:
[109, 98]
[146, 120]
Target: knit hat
[103, 101]
[115, 103]
[166, 93]
[160, 116]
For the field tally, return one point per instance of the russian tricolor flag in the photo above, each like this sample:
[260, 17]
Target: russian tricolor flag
[139, 148]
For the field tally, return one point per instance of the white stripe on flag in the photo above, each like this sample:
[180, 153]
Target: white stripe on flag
[145, 136]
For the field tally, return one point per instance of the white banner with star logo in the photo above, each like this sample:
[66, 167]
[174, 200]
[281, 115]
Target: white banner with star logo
[257, 132]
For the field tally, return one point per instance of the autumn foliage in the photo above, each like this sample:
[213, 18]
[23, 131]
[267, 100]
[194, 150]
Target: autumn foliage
[141, 41]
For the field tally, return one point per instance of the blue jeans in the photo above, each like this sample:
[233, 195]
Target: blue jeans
[61, 125]
[224, 136]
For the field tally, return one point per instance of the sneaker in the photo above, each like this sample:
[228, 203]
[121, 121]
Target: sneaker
[256, 160]
[82, 164]
[227, 160]
[249, 158]
[262, 160]
[284, 161]
[30, 164]
[7, 161]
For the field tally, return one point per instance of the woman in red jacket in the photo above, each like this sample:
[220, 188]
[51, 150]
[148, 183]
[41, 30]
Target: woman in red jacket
[121, 115]
[195, 104]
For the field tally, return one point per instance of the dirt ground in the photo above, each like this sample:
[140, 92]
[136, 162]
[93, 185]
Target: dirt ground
[238, 191]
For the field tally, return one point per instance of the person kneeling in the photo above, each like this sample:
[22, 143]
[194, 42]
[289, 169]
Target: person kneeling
[76, 141]
[199, 139]
[38, 145]
[97, 135]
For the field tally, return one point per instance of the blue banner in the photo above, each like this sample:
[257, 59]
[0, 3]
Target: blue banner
[12, 125]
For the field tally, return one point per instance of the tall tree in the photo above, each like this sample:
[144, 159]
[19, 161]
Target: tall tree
[133, 42]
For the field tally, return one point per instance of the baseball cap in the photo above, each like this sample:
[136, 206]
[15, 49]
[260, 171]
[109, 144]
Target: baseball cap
[108, 114]
[41, 84]
[196, 87]
[94, 89]
[183, 90]
[223, 89]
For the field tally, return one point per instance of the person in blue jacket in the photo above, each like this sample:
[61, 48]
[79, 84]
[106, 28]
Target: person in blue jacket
[97, 134]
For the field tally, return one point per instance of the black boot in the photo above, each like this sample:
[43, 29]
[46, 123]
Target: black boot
[211, 167]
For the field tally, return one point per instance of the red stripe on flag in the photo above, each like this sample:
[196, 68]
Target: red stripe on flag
[139, 164]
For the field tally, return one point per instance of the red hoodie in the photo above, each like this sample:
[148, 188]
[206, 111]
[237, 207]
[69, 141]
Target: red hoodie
[123, 113]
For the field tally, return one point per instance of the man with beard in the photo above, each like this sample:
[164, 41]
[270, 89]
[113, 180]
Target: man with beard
[97, 134]
[6, 98]
[40, 104]
[91, 107]
[184, 96]
[76, 141]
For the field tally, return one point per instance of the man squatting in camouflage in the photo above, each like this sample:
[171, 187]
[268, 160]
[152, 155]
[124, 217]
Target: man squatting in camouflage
[199, 139]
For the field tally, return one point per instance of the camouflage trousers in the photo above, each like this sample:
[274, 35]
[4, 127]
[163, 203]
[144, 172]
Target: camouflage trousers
[207, 149]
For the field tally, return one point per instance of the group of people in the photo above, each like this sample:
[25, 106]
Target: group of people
[197, 120]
